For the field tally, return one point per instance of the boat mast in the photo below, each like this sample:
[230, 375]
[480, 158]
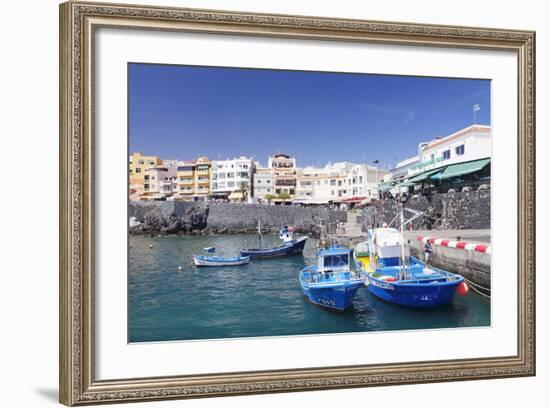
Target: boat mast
[402, 240]
[260, 234]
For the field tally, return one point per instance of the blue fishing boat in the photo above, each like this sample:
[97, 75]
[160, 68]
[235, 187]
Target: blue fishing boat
[332, 283]
[212, 260]
[290, 245]
[393, 275]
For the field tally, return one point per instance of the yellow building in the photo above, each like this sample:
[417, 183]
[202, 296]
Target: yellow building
[139, 165]
[193, 179]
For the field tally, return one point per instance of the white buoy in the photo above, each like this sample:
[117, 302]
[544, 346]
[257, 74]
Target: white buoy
[151, 246]
[180, 268]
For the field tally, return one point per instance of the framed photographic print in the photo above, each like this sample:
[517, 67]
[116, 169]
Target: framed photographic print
[256, 203]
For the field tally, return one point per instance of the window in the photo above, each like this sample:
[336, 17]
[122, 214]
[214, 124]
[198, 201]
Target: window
[151, 163]
[221, 175]
[339, 183]
[268, 181]
[446, 155]
[141, 162]
[146, 186]
[138, 170]
[360, 179]
[231, 175]
[326, 182]
[230, 184]
[432, 157]
[459, 150]
[146, 177]
[333, 182]
[318, 182]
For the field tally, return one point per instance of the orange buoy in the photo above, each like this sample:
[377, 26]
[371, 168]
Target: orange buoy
[462, 289]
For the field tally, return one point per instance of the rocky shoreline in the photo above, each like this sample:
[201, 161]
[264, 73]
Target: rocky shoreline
[194, 218]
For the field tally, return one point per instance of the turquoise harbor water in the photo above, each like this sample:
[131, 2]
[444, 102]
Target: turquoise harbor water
[262, 298]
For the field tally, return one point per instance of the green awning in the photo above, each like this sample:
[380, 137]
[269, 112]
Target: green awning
[455, 170]
[424, 176]
[385, 187]
[407, 183]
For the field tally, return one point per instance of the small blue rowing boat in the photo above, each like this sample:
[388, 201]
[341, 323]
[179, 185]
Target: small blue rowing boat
[331, 283]
[205, 260]
[290, 245]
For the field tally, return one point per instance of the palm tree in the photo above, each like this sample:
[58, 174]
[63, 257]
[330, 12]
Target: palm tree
[243, 189]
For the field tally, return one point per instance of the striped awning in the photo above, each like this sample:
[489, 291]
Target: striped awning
[460, 169]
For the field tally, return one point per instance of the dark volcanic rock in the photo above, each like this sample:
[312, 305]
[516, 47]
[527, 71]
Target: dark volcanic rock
[459, 210]
[221, 218]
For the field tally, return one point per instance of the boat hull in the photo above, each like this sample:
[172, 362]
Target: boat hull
[337, 296]
[292, 248]
[217, 261]
[423, 295]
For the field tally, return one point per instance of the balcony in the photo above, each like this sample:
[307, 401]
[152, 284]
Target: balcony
[286, 182]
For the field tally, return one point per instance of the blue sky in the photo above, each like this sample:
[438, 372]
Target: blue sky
[181, 112]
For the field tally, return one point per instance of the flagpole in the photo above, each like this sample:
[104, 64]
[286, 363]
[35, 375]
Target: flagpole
[475, 108]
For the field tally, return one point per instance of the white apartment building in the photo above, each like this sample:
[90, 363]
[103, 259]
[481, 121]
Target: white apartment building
[229, 175]
[363, 180]
[264, 182]
[337, 182]
[402, 167]
[471, 143]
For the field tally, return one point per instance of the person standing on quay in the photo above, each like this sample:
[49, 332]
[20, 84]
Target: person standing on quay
[427, 252]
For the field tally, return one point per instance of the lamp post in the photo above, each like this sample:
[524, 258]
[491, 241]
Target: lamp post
[375, 162]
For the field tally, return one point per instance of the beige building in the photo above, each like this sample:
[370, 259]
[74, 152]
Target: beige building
[193, 179]
[284, 171]
[159, 182]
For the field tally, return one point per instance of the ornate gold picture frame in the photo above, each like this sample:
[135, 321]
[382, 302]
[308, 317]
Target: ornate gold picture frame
[78, 24]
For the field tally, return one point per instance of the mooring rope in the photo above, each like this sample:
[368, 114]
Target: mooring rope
[473, 287]
[477, 284]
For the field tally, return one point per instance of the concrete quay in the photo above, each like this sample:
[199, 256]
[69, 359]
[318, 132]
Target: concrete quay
[472, 264]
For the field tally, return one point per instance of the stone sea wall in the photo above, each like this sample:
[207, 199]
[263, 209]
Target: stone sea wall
[460, 210]
[475, 266]
[169, 217]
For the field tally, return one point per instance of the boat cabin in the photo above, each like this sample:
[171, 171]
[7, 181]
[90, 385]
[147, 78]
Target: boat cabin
[334, 260]
[285, 233]
[387, 246]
